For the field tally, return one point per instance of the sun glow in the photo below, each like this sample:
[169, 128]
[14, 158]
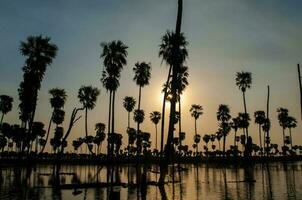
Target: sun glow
[161, 98]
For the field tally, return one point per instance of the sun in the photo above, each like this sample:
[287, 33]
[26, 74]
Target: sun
[161, 97]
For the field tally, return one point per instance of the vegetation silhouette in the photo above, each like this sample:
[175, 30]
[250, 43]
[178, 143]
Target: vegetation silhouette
[17, 141]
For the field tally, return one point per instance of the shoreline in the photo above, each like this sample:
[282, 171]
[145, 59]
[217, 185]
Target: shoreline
[94, 160]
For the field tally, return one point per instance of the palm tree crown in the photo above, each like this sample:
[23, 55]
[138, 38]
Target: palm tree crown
[223, 113]
[167, 48]
[58, 98]
[129, 103]
[88, 96]
[114, 55]
[243, 80]
[259, 117]
[6, 104]
[155, 116]
[142, 73]
[196, 111]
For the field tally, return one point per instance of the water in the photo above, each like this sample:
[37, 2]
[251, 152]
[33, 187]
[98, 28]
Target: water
[273, 181]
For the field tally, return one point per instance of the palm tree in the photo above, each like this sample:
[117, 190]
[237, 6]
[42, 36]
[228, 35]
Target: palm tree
[142, 75]
[100, 136]
[155, 116]
[6, 105]
[291, 123]
[206, 138]
[40, 54]
[57, 101]
[244, 81]
[235, 125]
[259, 119]
[168, 42]
[114, 56]
[129, 104]
[196, 111]
[282, 117]
[87, 96]
[223, 116]
[139, 117]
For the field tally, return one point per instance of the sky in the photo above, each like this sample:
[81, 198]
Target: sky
[225, 37]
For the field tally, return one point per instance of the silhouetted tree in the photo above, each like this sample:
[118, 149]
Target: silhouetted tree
[100, 136]
[6, 105]
[114, 56]
[282, 117]
[87, 96]
[223, 117]
[244, 81]
[57, 101]
[196, 111]
[259, 119]
[139, 117]
[39, 53]
[155, 117]
[129, 104]
[291, 122]
[142, 75]
[168, 42]
[235, 125]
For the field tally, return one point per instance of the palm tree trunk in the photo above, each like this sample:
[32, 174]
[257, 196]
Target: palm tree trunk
[179, 125]
[267, 116]
[291, 141]
[195, 135]
[235, 138]
[164, 163]
[128, 119]
[224, 139]
[139, 104]
[112, 120]
[2, 119]
[156, 136]
[109, 125]
[244, 103]
[283, 134]
[47, 134]
[86, 128]
[86, 115]
[260, 140]
[163, 112]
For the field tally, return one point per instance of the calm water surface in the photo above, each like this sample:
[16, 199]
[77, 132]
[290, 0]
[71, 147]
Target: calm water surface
[272, 181]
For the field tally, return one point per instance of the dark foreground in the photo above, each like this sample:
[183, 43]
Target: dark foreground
[273, 180]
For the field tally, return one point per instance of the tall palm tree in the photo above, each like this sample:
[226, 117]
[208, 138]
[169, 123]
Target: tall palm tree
[87, 96]
[39, 53]
[6, 105]
[282, 117]
[100, 136]
[175, 63]
[129, 104]
[155, 116]
[182, 83]
[111, 83]
[235, 125]
[139, 117]
[196, 111]
[291, 123]
[57, 101]
[114, 56]
[244, 81]
[223, 117]
[142, 75]
[166, 47]
[259, 119]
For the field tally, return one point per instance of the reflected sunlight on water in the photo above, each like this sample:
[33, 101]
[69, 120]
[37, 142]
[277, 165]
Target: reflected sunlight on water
[273, 181]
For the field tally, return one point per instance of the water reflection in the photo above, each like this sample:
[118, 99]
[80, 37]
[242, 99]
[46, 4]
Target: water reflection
[185, 181]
